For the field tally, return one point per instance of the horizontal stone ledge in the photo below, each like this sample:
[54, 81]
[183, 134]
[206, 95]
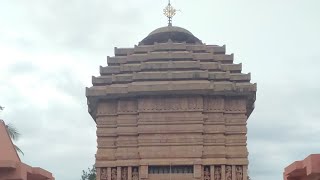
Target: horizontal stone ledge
[130, 67]
[223, 57]
[209, 131]
[107, 126]
[169, 46]
[169, 119]
[143, 119]
[117, 60]
[170, 139]
[170, 65]
[235, 123]
[117, 146]
[235, 111]
[106, 114]
[208, 160]
[216, 49]
[137, 162]
[106, 145]
[109, 70]
[117, 125]
[235, 133]
[134, 133]
[188, 89]
[102, 80]
[213, 110]
[169, 144]
[116, 134]
[107, 135]
[126, 125]
[209, 155]
[218, 76]
[214, 122]
[231, 67]
[116, 114]
[171, 123]
[244, 140]
[207, 48]
[240, 77]
[236, 144]
[127, 113]
[170, 75]
[170, 55]
[137, 58]
[217, 160]
[170, 132]
[163, 87]
[101, 147]
[143, 49]
[169, 110]
[203, 56]
[198, 47]
[167, 76]
[236, 156]
[123, 51]
[210, 66]
[176, 55]
[222, 144]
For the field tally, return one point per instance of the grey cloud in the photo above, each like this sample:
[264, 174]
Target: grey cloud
[80, 24]
[22, 68]
[283, 128]
[51, 135]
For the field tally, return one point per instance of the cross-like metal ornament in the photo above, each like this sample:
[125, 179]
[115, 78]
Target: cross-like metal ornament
[169, 12]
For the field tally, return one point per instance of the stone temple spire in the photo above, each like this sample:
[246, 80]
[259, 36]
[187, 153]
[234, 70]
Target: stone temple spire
[169, 12]
[171, 107]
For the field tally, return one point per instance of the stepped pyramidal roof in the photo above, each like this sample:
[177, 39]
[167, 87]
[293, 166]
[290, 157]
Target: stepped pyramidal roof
[170, 61]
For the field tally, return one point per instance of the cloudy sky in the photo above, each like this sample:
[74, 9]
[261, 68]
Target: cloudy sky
[49, 49]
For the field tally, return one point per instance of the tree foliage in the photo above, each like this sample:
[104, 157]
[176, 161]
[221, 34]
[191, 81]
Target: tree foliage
[89, 175]
[13, 133]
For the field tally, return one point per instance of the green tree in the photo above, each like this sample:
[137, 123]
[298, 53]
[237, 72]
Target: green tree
[89, 175]
[13, 133]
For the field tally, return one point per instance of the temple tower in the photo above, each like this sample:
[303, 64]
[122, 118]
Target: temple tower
[173, 108]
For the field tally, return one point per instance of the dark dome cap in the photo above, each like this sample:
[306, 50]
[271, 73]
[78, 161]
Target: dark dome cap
[173, 33]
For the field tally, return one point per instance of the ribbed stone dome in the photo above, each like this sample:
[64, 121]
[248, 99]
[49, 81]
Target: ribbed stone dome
[173, 33]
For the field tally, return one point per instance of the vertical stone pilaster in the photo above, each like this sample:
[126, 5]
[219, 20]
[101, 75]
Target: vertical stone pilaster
[202, 172]
[118, 173]
[212, 172]
[109, 173]
[143, 172]
[245, 172]
[233, 172]
[129, 173]
[223, 172]
[98, 173]
[197, 171]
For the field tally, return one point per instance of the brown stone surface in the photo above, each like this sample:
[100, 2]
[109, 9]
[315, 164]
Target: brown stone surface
[307, 169]
[172, 104]
[11, 167]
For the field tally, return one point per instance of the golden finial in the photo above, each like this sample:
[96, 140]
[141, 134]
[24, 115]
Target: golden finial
[169, 11]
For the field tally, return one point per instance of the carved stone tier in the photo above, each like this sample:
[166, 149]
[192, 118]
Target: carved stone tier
[170, 68]
[213, 172]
